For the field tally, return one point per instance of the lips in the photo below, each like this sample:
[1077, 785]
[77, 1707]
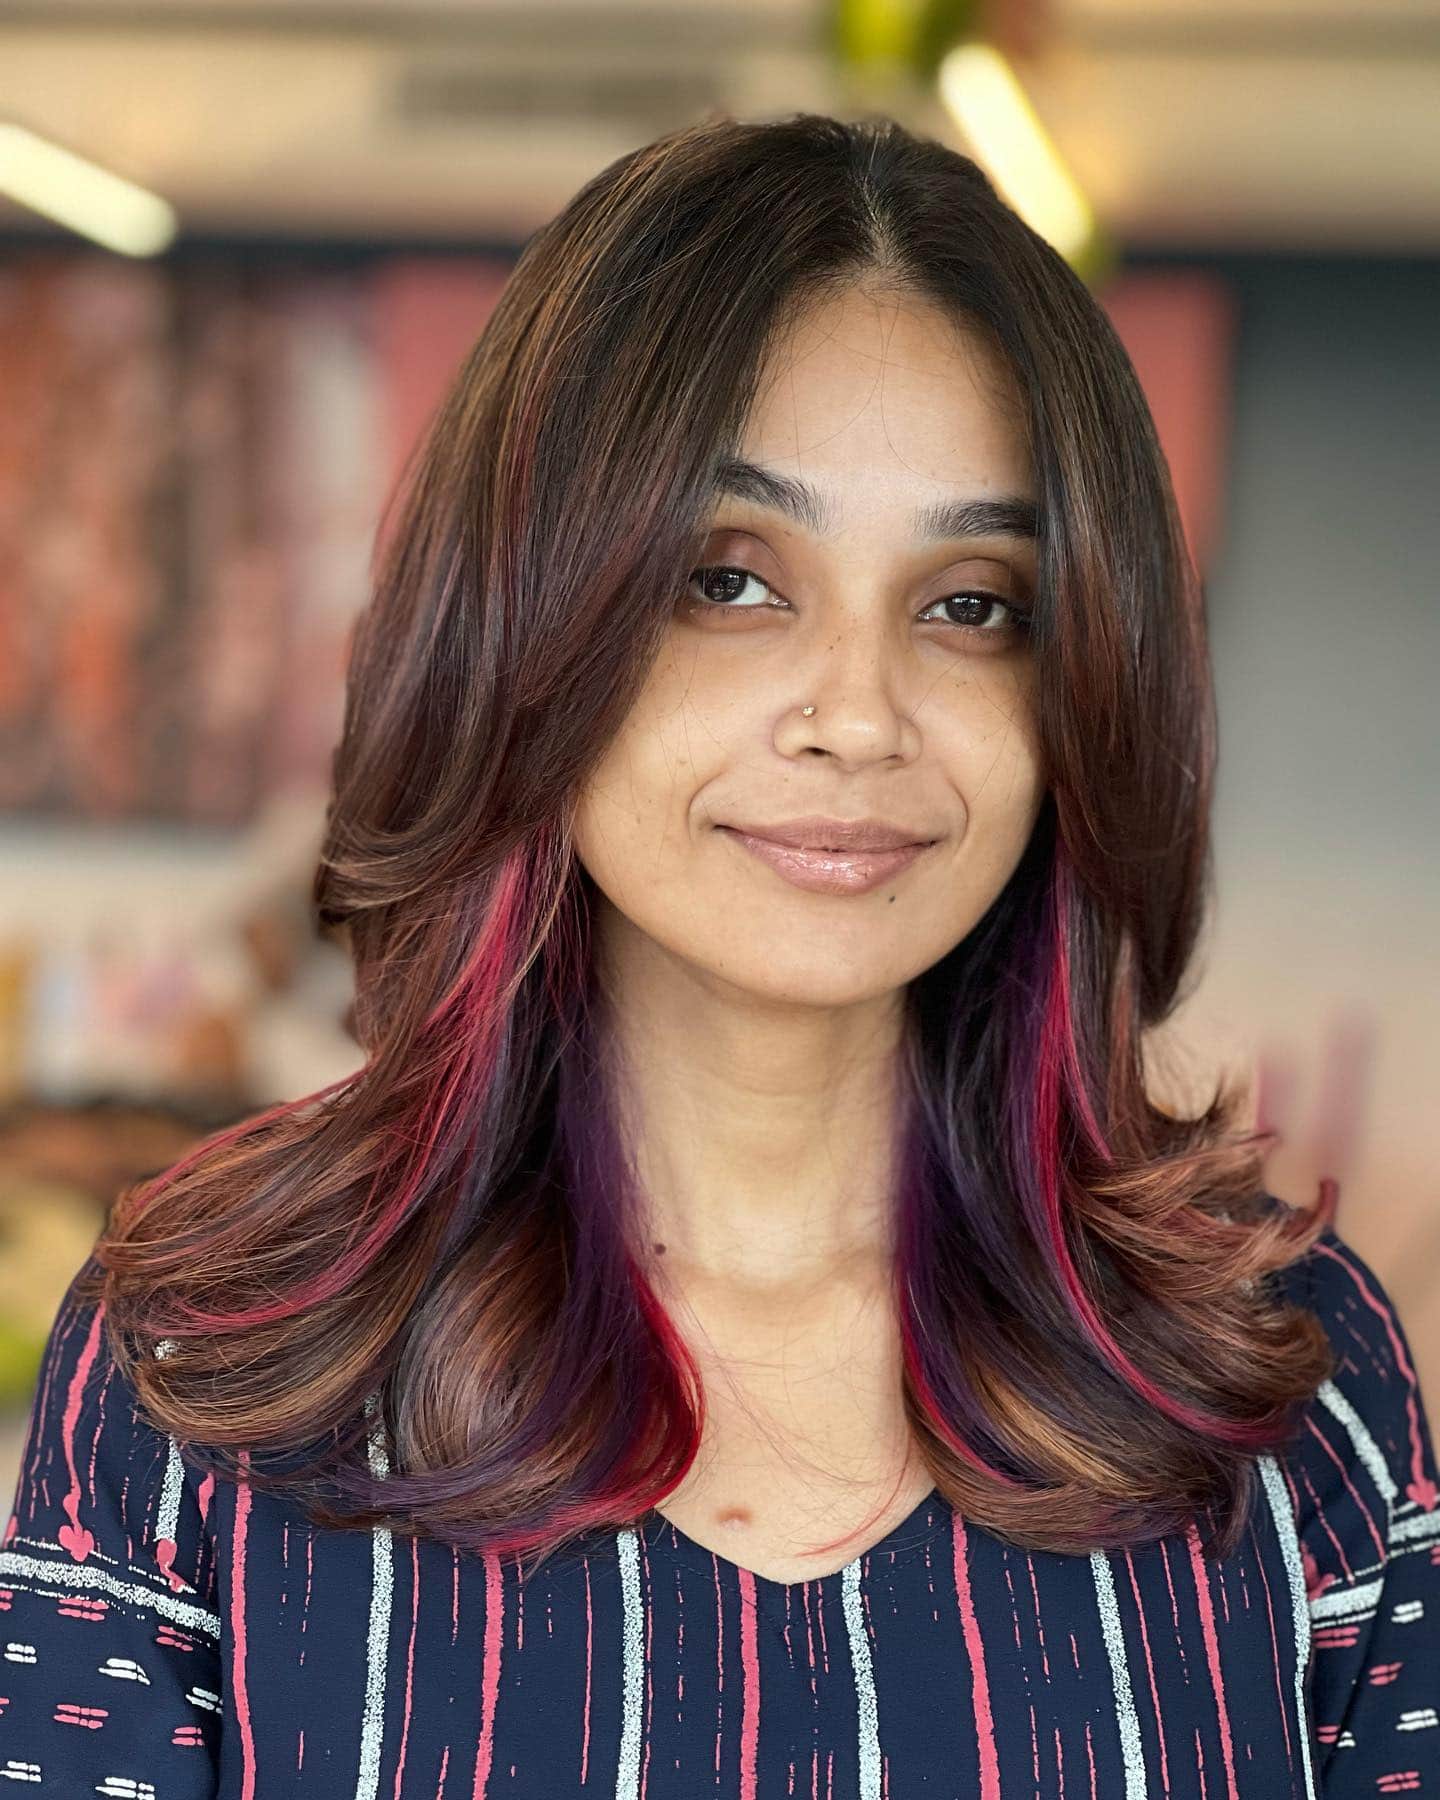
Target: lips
[837, 872]
[838, 836]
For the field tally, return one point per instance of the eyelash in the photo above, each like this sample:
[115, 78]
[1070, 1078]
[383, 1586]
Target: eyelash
[1019, 619]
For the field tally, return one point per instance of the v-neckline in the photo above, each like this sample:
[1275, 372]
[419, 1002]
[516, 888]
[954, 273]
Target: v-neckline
[908, 1538]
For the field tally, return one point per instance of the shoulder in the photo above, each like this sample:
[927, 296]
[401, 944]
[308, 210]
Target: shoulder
[99, 1485]
[1374, 1390]
[1360, 1469]
[1361, 1532]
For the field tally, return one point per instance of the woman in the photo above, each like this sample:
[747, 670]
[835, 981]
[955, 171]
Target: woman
[746, 1329]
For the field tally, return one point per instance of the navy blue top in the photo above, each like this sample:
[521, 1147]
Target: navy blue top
[167, 1636]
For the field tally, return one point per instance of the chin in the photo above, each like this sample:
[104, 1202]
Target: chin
[825, 981]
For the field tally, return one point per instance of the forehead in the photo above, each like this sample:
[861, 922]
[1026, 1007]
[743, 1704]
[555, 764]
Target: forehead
[886, 396]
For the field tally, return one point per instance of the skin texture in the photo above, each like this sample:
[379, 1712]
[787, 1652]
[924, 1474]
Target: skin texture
[759, 1018]
[758, 1022]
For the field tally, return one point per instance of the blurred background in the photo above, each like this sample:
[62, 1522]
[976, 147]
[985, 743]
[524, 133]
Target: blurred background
[243, 249]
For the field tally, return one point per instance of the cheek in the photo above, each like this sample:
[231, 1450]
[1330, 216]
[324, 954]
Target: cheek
[634, 814]
[993, 749]
[1005, 782]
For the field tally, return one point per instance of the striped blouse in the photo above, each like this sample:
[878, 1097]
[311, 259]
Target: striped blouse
[167, 1636]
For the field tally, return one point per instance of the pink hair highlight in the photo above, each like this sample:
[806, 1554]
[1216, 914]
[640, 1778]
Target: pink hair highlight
[1058, 1068]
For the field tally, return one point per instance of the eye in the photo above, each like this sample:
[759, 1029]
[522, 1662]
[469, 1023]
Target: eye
[727, 580]
[1015, 618]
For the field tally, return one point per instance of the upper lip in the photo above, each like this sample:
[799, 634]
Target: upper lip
[818, 833]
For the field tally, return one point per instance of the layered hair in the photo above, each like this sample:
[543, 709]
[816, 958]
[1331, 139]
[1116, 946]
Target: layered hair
[416, 1298]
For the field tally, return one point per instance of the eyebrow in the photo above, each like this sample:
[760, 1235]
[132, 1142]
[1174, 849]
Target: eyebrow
[1002, 515]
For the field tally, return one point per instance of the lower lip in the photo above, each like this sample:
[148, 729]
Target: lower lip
[828, 871]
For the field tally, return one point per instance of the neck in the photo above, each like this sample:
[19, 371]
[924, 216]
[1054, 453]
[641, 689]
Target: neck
[762, 1130]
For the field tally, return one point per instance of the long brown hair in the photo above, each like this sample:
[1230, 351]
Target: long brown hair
[436, 1254]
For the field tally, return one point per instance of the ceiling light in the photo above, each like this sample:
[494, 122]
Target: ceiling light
[78, 193]
[980, 91]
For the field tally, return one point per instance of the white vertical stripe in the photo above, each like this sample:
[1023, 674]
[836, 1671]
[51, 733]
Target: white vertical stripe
[627, 1779]
[1131, 1749]
[168, 1521]
[1365, 1446]
[1279, 1496]
[382, 1589]
[868, 1715]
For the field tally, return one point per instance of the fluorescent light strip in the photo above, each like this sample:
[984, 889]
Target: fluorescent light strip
[980, 91]
[80, 194]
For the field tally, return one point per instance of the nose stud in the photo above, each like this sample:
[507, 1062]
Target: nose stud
[806, 711]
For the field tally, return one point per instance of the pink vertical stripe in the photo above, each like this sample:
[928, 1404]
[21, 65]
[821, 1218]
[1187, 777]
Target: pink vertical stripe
[1381, 1550]
[1150, 1671]
[1420, 1488]
[589, 1653]
[409, 1661]
[1212, 1652]
[979, 1679]
[750, 1688]
[237, 1631]
[490, 1681]
[719, 1662]
[73, 1536]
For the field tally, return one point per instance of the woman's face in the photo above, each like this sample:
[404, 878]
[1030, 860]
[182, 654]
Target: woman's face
[921, 678]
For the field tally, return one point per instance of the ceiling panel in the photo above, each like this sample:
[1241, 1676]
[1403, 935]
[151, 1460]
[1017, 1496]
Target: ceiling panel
[1285, 123]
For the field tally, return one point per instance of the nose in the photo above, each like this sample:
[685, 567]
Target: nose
[857, 721]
